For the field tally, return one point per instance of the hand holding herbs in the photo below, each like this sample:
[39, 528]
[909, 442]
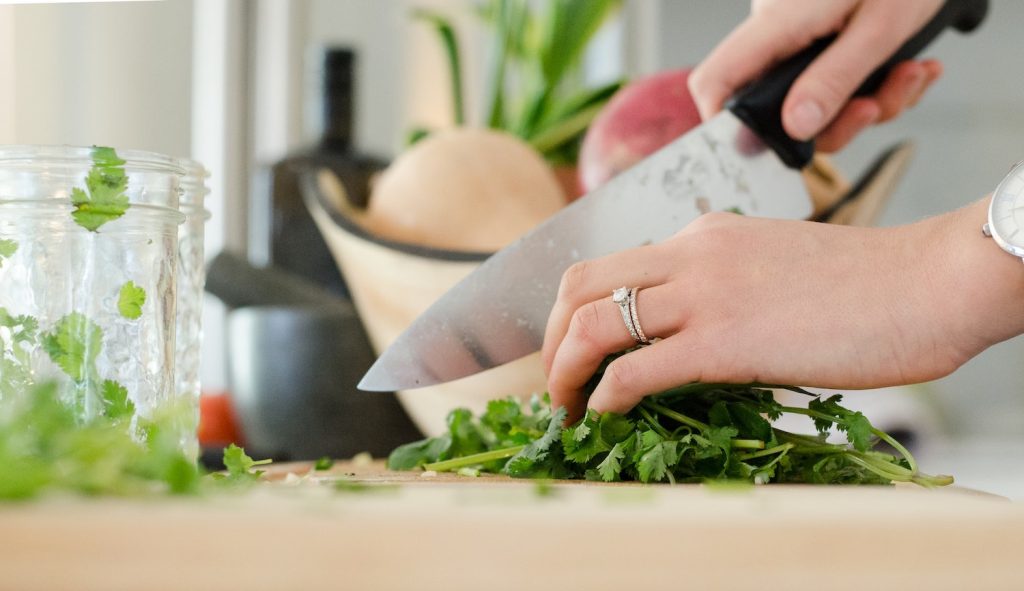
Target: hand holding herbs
[695, 433]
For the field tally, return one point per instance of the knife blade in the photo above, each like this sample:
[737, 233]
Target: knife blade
[741, 160]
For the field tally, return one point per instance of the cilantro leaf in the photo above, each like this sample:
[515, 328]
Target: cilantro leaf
[130, 300]
[104, 199]
[539, 457]
[7, 250]
[116, 401]
[73, 344]
[655, 463]
[856, 426]
[324, 463]
[239, 465]
[858, 431]
[611, 466]
[413, 455]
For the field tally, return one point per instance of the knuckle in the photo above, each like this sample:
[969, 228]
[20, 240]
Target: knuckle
[623, 375]
[584, 326]
[711, 222]
[574, 279]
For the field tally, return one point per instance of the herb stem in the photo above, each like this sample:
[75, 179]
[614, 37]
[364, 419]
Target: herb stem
[747, 444]
[480, 458]
[778, 449]
[897, 446]
[676, 416]
[653, 422]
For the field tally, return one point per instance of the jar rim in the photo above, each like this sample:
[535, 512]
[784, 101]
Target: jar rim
[193, 184]
[134, 159]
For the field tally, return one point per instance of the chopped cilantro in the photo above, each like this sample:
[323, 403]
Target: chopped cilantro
[324, 463]
[239, 466]
[104, 198]
[7, 250]
[130, 300]
[73, 344]
[115, 400]
[694, 433]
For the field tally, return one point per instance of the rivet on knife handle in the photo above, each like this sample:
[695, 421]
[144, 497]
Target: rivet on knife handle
[759, 105]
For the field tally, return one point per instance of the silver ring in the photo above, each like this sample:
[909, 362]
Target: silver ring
[621, 296]
[640, 337]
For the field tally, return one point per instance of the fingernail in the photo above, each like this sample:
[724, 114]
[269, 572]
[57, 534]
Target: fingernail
[806, 119]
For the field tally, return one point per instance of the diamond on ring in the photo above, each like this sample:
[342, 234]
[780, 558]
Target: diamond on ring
[621, 296]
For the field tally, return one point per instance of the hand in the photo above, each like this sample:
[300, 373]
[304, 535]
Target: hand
[818, 105]
[738, 299]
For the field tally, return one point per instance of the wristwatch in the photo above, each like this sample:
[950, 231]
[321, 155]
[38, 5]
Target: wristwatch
[1006, 213]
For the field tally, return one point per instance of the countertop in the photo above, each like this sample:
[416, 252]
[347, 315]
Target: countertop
[408, 531]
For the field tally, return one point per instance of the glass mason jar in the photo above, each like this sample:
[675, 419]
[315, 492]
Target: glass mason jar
[191, 281]
[88, 252]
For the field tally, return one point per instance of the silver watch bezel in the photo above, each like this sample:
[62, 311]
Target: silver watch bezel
[990, 227]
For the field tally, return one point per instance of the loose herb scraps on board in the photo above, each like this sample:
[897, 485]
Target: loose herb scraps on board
[695, 433]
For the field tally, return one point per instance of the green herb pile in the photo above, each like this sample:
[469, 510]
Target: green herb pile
[695, 433]
[45, 447]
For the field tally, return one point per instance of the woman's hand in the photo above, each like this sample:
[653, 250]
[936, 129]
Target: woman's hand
[738, 299]
[819, 105]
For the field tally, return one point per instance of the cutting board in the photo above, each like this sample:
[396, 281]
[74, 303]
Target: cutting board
[408, 531]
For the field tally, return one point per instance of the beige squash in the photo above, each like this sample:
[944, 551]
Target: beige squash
[463, 189]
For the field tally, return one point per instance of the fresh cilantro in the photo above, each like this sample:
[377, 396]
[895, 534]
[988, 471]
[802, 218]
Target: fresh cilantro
[695, 433]
[44, 445]
[239, 466]
[116, 403]
[130, 300]
[7, 250]
[856, 426]
[73, 344]
[324, 463]
[104, 198]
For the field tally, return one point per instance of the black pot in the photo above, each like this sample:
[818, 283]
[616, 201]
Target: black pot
[293, 372]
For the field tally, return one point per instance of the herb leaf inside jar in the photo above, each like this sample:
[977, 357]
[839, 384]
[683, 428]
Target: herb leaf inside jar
[104, 199]
[7, 250]
[130, 300]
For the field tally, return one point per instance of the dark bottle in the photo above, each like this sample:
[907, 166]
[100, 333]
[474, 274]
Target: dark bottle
[296, 245]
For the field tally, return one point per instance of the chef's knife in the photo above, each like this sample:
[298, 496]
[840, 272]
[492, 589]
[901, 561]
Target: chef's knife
[741, 160]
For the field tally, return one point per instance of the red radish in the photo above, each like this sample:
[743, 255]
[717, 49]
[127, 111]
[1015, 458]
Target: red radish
[642, 117]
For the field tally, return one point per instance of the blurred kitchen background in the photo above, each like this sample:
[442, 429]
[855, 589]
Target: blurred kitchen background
[237, 84]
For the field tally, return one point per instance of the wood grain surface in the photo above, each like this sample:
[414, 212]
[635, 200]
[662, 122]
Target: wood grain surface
[406, 531]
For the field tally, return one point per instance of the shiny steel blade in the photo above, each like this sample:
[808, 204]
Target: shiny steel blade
[498, 313]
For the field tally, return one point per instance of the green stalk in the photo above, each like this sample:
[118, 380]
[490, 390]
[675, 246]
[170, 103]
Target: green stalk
[778, 449]
[471, 460]
[897, 446]
[654, 423]
[676, 416]
[555, 135]
[877, 432]
[747, 444]
[451, 46]
[875, 467]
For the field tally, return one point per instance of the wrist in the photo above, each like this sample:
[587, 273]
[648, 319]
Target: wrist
[982, 285]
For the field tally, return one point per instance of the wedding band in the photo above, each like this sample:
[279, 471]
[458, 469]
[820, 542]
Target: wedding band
[621, 296]
[640, 337]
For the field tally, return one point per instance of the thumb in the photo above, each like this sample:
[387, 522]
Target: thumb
[822, 91]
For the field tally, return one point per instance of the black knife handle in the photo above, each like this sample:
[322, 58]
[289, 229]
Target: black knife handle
[759, 104]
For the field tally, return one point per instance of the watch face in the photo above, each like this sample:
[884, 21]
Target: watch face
[1006, 215]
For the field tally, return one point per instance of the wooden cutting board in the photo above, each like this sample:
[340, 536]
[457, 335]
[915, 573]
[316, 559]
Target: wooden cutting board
[449, 532]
